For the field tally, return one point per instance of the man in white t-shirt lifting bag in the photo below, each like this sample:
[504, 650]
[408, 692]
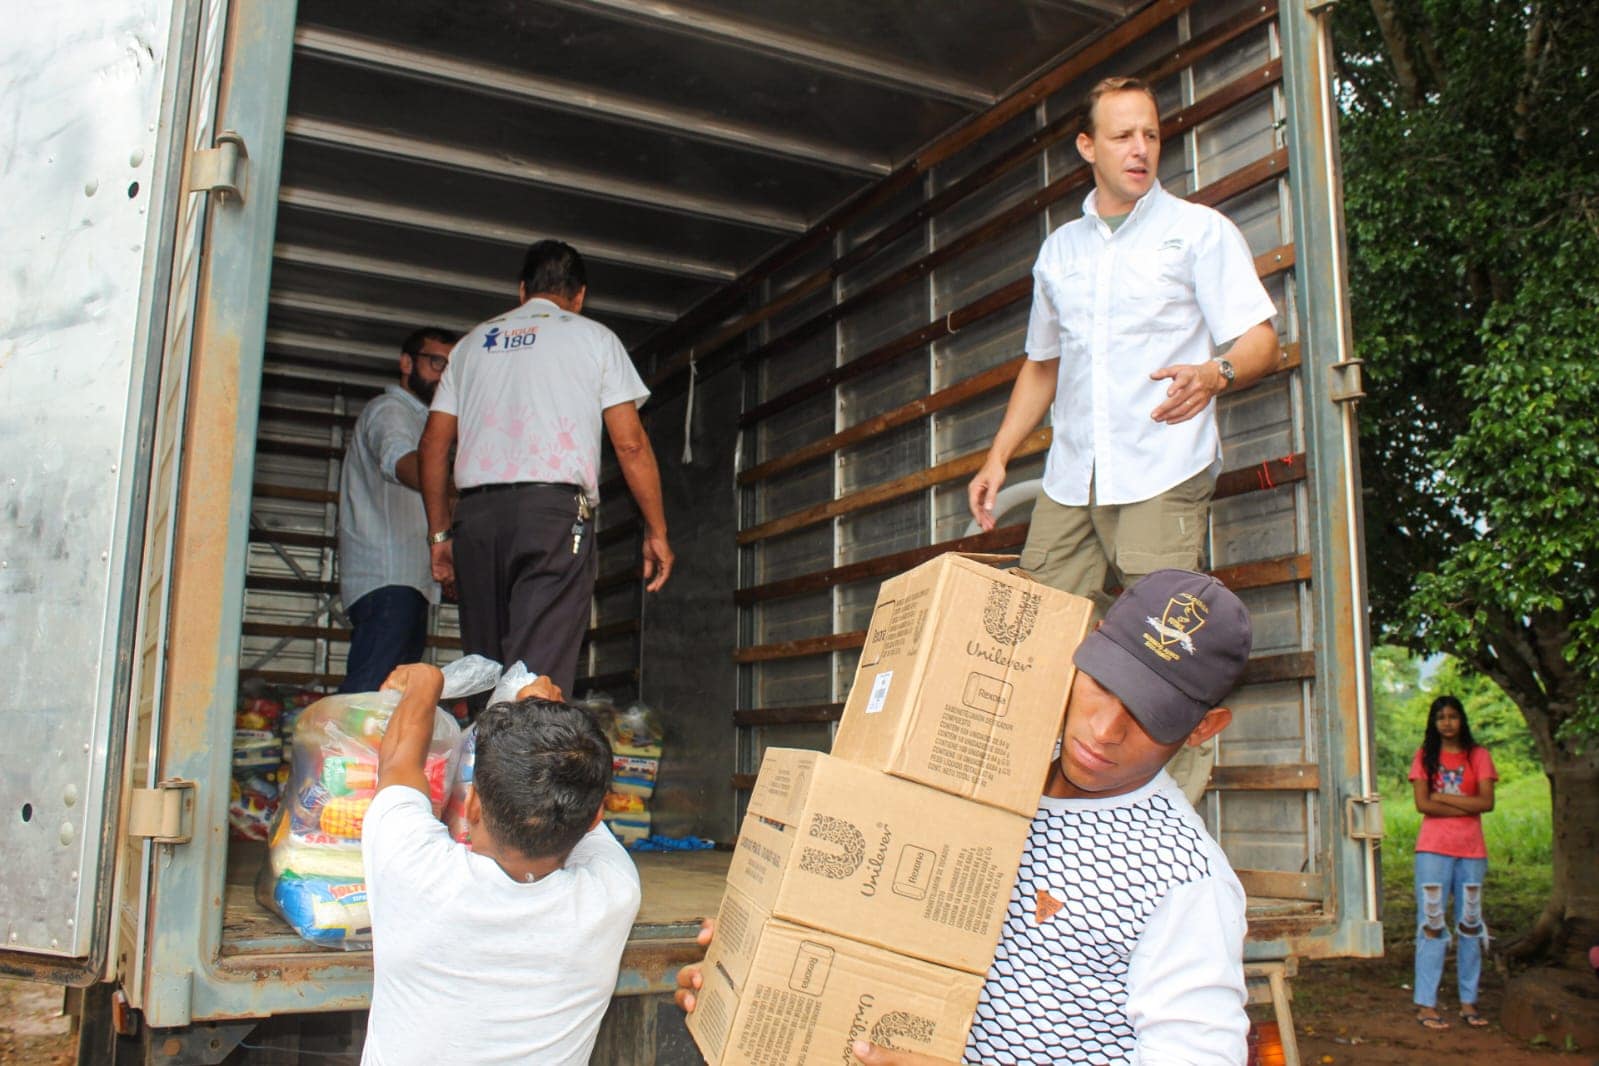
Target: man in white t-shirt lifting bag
[1131, 303]
[526, 396]
[506, 951]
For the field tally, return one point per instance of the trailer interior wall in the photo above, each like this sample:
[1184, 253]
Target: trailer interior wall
[877, 355]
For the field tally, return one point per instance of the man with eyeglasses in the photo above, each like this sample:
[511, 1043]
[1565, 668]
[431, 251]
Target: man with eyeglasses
[385, 573]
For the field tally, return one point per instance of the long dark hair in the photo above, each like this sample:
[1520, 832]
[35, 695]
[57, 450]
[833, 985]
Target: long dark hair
[1433, 744]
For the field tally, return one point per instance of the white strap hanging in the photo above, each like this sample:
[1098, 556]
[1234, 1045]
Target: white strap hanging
[688, 409]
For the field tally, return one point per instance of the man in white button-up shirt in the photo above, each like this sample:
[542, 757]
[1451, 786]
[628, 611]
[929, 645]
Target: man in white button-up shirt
[1131, 303]
[385, 577]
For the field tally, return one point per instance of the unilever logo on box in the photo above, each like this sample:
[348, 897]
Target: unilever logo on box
[1009, 616]
[996, 614]
[849, 841]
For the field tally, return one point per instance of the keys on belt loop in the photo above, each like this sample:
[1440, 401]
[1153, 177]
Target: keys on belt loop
[583, 513]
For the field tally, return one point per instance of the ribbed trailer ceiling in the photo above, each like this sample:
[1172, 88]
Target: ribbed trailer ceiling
[675, 144]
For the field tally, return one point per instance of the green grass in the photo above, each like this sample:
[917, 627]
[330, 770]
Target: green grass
[1518, 833]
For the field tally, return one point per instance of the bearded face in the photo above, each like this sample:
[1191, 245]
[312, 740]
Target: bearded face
[421, 387]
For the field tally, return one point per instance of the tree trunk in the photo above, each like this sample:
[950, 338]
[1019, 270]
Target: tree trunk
[1569, 924]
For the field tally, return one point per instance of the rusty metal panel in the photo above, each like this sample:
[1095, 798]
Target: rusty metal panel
[184, 977]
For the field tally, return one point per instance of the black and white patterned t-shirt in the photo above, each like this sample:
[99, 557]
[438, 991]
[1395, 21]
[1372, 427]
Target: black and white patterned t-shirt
[1124, 933]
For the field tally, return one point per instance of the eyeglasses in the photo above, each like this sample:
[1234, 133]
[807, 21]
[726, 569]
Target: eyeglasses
[436, 363]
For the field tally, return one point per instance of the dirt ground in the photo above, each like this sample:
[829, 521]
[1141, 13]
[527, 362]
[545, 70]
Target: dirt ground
[1357, 1012]
[1347, 1013]
[32, 1030]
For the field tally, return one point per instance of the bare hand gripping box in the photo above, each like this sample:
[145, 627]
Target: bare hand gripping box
[779, 994]
[838, 847]
[963, 680]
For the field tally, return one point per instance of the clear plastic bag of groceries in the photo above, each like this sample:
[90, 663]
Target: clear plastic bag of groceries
[455, 818]
[316, 878]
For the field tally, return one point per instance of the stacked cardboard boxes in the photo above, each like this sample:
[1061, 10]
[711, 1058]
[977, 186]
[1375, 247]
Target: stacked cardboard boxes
[868, 887]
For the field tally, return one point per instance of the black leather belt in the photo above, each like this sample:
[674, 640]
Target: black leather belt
[505, 486]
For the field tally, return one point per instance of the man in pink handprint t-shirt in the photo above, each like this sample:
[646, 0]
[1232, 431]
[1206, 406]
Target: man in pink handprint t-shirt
[526, 397]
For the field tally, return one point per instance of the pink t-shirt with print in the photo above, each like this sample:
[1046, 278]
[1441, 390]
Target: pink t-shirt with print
[1458, 775]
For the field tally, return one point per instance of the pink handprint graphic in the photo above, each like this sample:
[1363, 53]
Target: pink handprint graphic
[563, 434]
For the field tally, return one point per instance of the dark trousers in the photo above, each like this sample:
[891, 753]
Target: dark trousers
[524, 594]
[390, 628]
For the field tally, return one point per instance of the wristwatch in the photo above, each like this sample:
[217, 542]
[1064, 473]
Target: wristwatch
[440, 537]
[1227, 373]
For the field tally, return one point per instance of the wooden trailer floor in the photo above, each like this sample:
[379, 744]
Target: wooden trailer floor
[679, 888]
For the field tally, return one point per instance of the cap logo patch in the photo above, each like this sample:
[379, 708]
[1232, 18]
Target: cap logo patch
[1002, 628]
[1184, 616]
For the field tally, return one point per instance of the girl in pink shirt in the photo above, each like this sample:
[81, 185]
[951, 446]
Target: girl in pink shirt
[1453, 777]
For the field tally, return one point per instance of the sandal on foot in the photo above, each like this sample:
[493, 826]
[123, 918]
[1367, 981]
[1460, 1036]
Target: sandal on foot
[1474, 1019]
[1431, 1021]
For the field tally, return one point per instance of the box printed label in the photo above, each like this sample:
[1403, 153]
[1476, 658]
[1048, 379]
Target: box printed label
[879, 691]
[901, 629]
[812, 963]
[987, 694]
[914, 873]
[998, 620]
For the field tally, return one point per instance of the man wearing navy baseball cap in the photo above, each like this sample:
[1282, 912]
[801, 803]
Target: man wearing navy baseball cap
[1125, 936]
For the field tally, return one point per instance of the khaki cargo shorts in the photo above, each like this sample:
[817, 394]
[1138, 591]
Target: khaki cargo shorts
[1082, 549]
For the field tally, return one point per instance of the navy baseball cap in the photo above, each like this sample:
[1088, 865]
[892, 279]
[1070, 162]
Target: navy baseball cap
[1170, 648]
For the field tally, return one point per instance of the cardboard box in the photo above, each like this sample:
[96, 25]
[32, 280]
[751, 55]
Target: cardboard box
[963, 680]
[778, 994]
[834, 846]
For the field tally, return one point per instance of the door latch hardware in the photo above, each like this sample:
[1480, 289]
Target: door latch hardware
[1363, 817]
[1346, 381]
[164, 814]
[220, 169]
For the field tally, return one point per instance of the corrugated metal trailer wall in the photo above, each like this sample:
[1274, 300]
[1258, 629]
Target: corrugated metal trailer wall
[877, 358]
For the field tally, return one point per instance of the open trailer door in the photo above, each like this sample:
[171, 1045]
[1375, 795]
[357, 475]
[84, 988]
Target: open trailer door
[92, 184]
[135, 207]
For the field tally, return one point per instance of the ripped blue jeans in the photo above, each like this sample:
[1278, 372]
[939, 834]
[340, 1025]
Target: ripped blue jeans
[1438, 877]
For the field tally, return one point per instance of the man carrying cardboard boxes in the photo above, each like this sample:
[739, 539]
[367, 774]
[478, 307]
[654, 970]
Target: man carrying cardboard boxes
[1123, 941]
[869, 886]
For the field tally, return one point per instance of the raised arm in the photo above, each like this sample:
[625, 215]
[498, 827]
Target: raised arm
[402, 758]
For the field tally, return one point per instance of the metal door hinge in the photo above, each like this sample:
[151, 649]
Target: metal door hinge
[1346, 381]
[220, 169]
[1363, 817]
[1316, 7]
[164, 814]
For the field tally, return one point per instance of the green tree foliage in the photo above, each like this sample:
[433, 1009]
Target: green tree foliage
[1470, 142]
[1471, 156]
